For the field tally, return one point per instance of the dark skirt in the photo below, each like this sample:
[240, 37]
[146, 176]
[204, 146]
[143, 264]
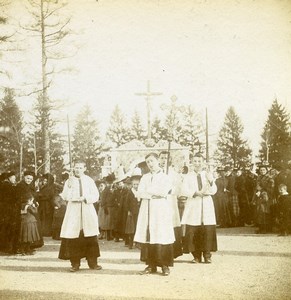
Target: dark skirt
[29, 232]
[157, 255]
[58, 218]
[200, 238]
[178, 246]
[79, 247]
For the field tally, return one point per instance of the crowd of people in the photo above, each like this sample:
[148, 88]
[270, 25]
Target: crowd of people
[162, 212]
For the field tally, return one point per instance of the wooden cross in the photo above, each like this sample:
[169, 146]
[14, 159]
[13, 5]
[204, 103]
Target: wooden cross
[148, 94]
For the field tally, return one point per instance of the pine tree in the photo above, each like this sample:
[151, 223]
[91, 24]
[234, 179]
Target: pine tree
[159, 131]
[137, 131]
[276, 138]
[86, 141]
[118, 131]
[11, 132]
[191, 128]
[37, 140]
[231, 148]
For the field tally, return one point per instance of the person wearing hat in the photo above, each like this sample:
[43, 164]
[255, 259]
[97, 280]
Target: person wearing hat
[107, 204]
[132, 206]
[80, 226]
[101, 185]
[9, 214]
[28, 186]
[46, 197]
[119, 196]
[221, 199]
[263, 199]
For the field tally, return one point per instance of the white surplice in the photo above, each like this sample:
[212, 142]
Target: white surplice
[80, 215]
[198, 210]
[157, 213]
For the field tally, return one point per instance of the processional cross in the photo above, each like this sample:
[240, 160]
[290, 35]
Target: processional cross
[148, 94]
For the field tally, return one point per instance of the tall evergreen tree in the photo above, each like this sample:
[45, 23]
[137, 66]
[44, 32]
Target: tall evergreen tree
[118, 131]
[159, 131]
[276, 137]
[86, 141]
[136, 130]
[11, 132]
[191, 128]
[231, 148]
[37, 144]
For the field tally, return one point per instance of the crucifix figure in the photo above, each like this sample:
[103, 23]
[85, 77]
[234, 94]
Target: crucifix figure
[148, 94]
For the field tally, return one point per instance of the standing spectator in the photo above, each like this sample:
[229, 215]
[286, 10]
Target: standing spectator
[46, 197]
[234, 204]
[107, 203]
[221, 200]
[101, 213]
[265, 188]
[29, 234]
[284, 210]
[29, 185]
[243, 200]
[199, 213]
[59, 209]
[250, 182]
[132, 205]
[10, 214]
[119, 196]
[80, 226]
[154, 228]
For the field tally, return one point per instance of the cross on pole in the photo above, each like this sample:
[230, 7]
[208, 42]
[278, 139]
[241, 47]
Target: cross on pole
[148, 94]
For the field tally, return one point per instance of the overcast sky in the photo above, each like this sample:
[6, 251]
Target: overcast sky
[208, 53]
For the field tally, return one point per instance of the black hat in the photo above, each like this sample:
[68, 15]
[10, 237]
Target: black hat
[9, 174]
[110, 178]
[30, 173]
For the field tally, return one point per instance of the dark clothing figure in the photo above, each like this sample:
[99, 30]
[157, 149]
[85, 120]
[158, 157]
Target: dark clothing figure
[250, 183]
[107, 204]
[132, 209]
[22, 189]
[284, 211]
[9, 217]
[243, 200]
[58, 217]
[119, 197]
[29, 234]
[234, 202]
[221, 202]
[46, 209]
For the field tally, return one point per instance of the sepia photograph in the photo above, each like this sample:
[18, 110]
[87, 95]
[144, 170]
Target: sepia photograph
[145, 149]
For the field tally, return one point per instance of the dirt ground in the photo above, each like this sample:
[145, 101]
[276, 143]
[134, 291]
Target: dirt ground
[247, 266]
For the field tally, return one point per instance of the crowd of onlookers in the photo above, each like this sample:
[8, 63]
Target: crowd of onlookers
[32, 208]
[260, 199]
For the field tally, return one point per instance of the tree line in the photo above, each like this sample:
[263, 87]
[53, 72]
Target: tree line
[38, 144]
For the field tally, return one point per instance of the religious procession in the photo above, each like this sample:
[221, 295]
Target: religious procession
[163, 212]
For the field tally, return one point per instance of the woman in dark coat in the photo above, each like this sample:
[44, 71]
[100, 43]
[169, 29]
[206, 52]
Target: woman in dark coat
[24, 187]
[10, 215]
[46, 197]
[221, 200]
